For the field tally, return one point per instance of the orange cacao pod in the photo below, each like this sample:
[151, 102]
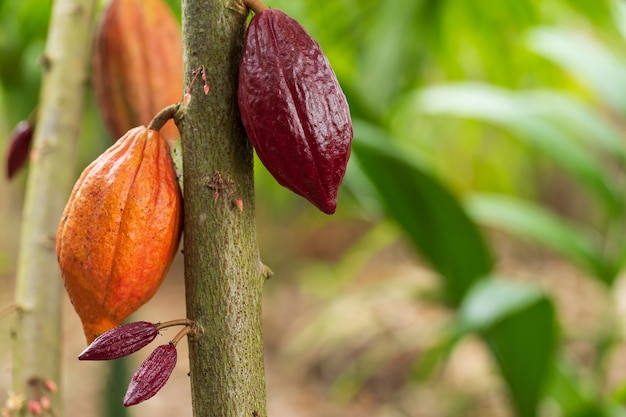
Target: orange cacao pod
[137, 64]
[120, 230]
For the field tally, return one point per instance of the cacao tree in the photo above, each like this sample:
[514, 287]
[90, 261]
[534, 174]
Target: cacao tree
[224, 272]
[121, 226]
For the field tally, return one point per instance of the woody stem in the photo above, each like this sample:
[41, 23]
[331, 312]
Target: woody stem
[184, 331]
[257, 6]
[163, 116]
[177, 322]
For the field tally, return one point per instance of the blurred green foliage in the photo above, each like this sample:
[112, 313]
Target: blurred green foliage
[23, 29]
[464, 112]
[473, 93]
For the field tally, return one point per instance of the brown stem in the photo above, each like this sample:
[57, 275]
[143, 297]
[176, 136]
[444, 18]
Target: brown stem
[184, 331]
[257, 6]
[32, 117]
[163, 116]
[177, 322]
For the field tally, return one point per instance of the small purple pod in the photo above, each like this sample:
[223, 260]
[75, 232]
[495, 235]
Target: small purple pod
[19, 147]
[120, 341]
[152, 375]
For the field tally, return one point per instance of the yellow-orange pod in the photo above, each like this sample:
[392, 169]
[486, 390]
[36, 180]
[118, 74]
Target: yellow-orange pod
[137, 64]
[120, 230]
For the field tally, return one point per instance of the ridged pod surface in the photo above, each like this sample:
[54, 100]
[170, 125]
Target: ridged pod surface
[120, 341]
[120, 230]
[293, 108]
[137, 64]
[151, 375]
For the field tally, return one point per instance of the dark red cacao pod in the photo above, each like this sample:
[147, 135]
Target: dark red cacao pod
[152, 375]
[19, 147]
[293, 109]
[120, 341]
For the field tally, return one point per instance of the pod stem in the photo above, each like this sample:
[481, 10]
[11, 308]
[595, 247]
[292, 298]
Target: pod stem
[177, 322]
[182, 333]
[257, 6]
[163, 116]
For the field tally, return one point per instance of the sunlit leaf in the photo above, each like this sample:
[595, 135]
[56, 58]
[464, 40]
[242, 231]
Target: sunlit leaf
[491, 301]
[592, 63]
[509, 111]
[579, 119]
[597, 11]
[426, 211]
[530, 221]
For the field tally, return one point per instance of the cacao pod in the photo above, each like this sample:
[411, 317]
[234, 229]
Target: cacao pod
[151, 375]
[293, 108]
[138, 66]
[19, 147]
[120, 341]
[120, 230]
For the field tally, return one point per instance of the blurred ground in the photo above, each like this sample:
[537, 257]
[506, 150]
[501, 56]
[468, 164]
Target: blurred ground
[350, 350]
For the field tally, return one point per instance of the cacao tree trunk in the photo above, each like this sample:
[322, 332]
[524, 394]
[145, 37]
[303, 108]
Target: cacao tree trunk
[39, 289]
[223, 273]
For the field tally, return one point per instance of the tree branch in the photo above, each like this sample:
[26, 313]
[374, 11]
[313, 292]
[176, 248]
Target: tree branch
[39, 289]
[223, 274]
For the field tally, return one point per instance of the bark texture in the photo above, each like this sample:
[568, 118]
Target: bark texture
[223, 273]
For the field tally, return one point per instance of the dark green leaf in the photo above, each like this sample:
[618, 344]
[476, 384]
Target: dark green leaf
[427, 212]
[519, 325]
[575, 397]
[524, 345]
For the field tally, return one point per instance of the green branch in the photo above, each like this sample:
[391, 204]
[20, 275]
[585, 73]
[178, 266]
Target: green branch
[39, 289]
[223, 273]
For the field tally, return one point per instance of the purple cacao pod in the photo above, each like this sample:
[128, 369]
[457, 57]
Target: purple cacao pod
[19, 146]
[120, 341]
[151, 375]
[293, 109]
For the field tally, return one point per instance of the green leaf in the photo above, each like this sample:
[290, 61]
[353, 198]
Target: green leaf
[592, 63]
[427, 212]
[524, 346]
[532, 222]
[597, 11]
[518, 323]
[580, 120]
[510, 111]
[389, 56]
[490, 301]
[576, 395]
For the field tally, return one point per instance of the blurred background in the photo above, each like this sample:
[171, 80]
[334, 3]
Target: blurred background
[489, 148]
